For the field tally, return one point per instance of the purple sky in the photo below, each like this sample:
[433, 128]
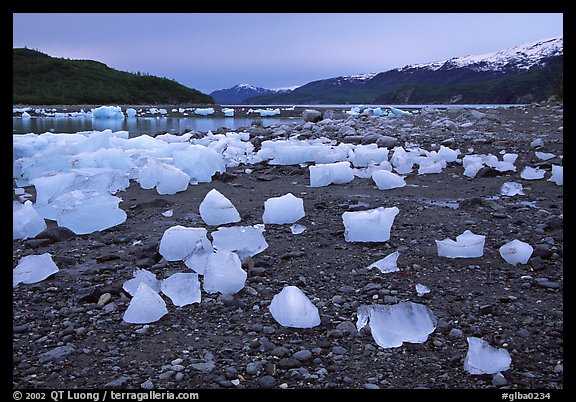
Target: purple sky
[272, 50]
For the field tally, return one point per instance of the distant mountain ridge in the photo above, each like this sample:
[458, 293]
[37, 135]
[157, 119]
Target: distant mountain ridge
[239, 93]
[531, 71]
[40, 79]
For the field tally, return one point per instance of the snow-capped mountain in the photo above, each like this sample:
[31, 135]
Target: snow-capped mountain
[238, 93]
[521, 57]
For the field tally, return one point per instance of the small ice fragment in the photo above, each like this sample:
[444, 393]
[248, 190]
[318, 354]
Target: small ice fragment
[141, 276]
[168, 214]
[182, 288]
[421, 290]
[33, 268]
[467, 245]
[387, 264]
[224, 273]
[484, 359]
[216, 209]
[392, 325]
[511, 188]
[245, 241]
[537, 143]
[297, 229]
[281, 210]
[516, 251]
[146, 306]
[369, 226]
[530, 173]
[557, 175]
[544, 155]
[292, 308]
[386, 180]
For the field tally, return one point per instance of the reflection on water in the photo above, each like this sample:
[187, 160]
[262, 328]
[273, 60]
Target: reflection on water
[140, 125]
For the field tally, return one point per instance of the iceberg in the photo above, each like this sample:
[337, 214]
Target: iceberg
[130, 112]
[467, 245]
[33, 268]
[516, 251]
[216, 209]
[327, 173]
[141, 276]
[369, 226]
[228, 112]
[245, 241]
[398, 112]
[387, 264]
[145, 307]
[386, 180]
[292, 308]
[107, 112]
[392, 325]
[511, 188]
[224, 273]
[166, 178]
[530, 173]
[557, 175]
[484, 359]
[284, 209]
[190, 245]
[204, 111]
[26, 221]
[182, 288]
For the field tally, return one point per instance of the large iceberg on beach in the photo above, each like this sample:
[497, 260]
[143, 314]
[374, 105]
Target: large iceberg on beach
[33, 268]
[467, 245]
[224, 273]
[392, 325]
[216, 209]
[369, 226]
[284, 209]
[145, 307]
[330, 173]
[292, 308]
[482, 358]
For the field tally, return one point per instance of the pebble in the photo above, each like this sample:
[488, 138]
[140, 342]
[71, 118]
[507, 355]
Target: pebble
[280, 351]
[499, 380]
[545, 283]
[147, 385]
[339, 350]
[117, 383]
[371, 386]
[455, 333]
[266, 382]
[288, 363]
[302, 355]
[166, 375]
[253, 367]
[57, 354]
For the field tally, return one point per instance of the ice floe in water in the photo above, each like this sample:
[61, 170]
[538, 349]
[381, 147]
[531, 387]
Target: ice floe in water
[392, 325]
[216, 209]
[511, 188]
[33, 268]
[107, 112]
[387, 264]
[330, 173]
[467, 245]
[386, 180]
[530, 173]
[26, 221]
[245, 241]
[180, 243]
[146, 306]
[224, 273]
[281, 210]
[516, 251]
[557, 175]
[292, 308]
[484, 359]
[141, 276]
[421, 290]
[369, 226]
[182, 288]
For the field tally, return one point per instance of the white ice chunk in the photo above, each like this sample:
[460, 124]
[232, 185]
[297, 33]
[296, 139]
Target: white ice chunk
[391, 325]
[228, 112]
[166, 178]
[199, 162]
[366, 155]
[204, 111]
[557, 175]
[369, 226]
[107, 112]
[537, 143]
[26, 221]
[428, 165]
[292, 308]
[467, 245]
[386, 180]
[324, 174]
[484, 359]
[544, 155]
[398, 112]
[421, 290]
[130, 112]
[190, 245]
[33, 268]
[285, 209]
[216, 209]
[145, 307]
[245, 241]
[448, 154]
[511, 188]
[25, 115]
[530, 173]
[516, 251]
[297, 229]
[224, 273]
[387, 264]
[168, 213]
[182, 288]
[141, 276]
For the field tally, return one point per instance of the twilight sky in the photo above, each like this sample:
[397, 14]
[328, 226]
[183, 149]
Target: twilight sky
[210, 51]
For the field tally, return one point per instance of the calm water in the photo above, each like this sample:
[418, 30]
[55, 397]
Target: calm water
[139, 125]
